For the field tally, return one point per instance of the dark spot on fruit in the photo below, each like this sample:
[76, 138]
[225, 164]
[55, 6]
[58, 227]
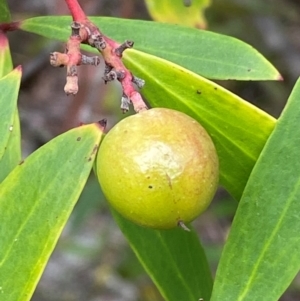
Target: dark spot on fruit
[90, 159]
[249, 70]
[79, 138]
[169, 181]
[216, 88]
[150, 186]
[198, 92]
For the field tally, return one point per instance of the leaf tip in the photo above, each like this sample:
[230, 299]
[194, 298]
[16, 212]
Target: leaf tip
[16, 73]
[102, 124]
[19, 68]
[279, 77]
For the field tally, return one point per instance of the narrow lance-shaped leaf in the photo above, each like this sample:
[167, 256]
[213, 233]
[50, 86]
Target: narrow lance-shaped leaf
[209, 54]
[238, 129]
[261, 256]
[9, 128]
[12, 155]
[36, 200]
[4, 11]
[189, 13]
[174, 259]
[12, 147]
[6, 65]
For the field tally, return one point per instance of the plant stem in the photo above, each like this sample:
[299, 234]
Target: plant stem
[85, 32]
[76, 10]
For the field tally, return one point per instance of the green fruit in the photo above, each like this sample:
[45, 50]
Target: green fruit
[158, 168]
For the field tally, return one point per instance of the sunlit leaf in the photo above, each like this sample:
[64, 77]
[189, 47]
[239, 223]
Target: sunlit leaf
[189, 13]
[238, 129]
[12, 154]
[10, 150]
[9, 127]
[209, 54]
[5, 57]
[36, 200]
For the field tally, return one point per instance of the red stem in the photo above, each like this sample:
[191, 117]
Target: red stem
[76, 10]
[88, 33]
[4, 27]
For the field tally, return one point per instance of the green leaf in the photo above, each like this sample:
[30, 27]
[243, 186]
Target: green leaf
[9, 128]
[12, 147]
[176, 11]
[36, 200]
[174, 259]
[4, 12]
[261, 256]
[5, 57]
[12, 155]
[238, 129]
[209, 54]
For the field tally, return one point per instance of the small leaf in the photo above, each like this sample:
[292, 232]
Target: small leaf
[174, 259]
[12, 147]
[36, 200]
[209, 54]
[5, 57]
[4, 12]
[9, 128]
[238, 129]
[261, 256]
[12, 155]
[176, 11]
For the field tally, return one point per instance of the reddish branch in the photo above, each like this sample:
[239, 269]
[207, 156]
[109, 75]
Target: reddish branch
[84, 31]
[76, 10]
[72, 58]
[4, 27]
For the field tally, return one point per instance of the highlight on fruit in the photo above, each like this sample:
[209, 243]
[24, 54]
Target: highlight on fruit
[158, 168]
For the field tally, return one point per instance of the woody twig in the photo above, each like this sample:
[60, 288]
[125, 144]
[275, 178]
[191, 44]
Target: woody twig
[85, 32]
